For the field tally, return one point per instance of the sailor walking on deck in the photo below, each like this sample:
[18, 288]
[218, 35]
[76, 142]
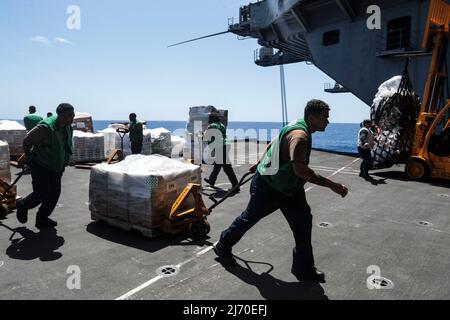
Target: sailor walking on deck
[47, 148]
[215, 126]
[365, 145]
[279, 184]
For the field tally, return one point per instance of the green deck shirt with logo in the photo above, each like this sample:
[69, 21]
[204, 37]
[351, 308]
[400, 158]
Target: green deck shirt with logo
[282, 177]
[56, 155]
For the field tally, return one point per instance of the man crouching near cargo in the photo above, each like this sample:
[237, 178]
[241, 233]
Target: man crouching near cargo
[279, 184]
[47, 150]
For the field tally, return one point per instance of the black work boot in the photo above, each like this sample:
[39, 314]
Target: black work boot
[21, 212]
[209, 182]
[314, 275]
[225, 258]
[45, 223]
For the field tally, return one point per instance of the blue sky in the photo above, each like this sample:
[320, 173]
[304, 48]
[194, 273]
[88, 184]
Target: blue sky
[118, 62]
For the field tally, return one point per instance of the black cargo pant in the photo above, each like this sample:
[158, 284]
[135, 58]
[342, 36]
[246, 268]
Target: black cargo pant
[263, 201]
[136, 147]
[366, 163]
[227, 168]
[46, 191]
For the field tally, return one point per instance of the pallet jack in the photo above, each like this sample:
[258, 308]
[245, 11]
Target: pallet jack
[9, 197]
[118, 155]
[194, 221]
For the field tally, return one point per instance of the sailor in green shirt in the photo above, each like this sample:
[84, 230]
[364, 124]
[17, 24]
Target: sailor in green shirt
[217, 131]
[136, 134]
[279, 185]
[47, 148]
[32, 119]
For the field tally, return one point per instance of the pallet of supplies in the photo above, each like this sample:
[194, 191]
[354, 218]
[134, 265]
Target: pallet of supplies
[197, 124]
[13, 133]
[394, 111]
[138, 192]
[161, 141]
[113, 141]
[5, 169]
[178, 144]
[83, 122]
[88, 147]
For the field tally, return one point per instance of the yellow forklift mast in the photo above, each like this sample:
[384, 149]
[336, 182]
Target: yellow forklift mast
[425, 161]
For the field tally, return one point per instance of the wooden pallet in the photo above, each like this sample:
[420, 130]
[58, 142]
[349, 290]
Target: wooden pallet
[86, 165]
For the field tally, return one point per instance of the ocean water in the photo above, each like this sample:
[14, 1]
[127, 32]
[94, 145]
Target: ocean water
[340, 137]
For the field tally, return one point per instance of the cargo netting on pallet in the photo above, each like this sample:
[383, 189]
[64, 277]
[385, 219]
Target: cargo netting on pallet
[395, 118]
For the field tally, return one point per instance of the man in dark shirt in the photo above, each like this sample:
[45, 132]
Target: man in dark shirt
[136, 134]
[47, 148]
[279, 184]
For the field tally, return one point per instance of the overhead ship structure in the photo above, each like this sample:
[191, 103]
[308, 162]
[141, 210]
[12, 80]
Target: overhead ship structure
[358, 43]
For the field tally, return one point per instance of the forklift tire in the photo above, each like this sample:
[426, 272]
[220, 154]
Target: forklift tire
[417, 169]
[199, 229]
[4, 210]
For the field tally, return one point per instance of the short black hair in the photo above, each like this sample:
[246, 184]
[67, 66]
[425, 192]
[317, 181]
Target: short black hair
[316, 107]
[63, 108]
[32, 109]
[363, 124]
[49, 114]
[213, 118]
[132, 115]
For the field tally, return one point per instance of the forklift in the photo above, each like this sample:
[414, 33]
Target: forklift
[430, 157]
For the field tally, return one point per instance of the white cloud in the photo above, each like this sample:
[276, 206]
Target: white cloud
[62, 41]
[46, 41]
[40, 39]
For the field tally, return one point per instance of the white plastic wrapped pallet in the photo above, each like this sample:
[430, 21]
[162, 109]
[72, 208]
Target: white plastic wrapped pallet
[140, 190]
[13, 133]
[200, 115]
[5, 169]
[197, 124]
[178, 144]
[88, 146]
[161, 141]
[112, 141]
[83, 122]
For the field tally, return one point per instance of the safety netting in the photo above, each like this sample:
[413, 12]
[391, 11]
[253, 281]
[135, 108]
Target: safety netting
[394, 112]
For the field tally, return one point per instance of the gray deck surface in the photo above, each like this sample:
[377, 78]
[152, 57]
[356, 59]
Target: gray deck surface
[377, 224]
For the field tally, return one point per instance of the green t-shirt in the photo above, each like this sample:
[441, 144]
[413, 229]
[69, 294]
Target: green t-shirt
[281, 176]
[31, 121]
[218, 126]
[136, 131]
[56, 155]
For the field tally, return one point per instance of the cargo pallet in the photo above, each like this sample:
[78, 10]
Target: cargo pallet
[146, 232]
